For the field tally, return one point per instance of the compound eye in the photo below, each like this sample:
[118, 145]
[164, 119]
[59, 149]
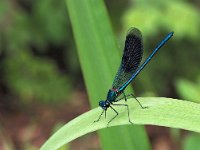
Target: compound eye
[107, 103]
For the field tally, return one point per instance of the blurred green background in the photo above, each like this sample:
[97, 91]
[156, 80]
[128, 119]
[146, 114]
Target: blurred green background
[41, 83]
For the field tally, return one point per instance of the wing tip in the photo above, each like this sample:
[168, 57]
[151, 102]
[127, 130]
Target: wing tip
[134, 32]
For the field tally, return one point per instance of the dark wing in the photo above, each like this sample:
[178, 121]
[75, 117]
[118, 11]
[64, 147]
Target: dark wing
[131, 59]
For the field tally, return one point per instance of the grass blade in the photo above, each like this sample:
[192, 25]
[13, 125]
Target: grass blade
[99, 58]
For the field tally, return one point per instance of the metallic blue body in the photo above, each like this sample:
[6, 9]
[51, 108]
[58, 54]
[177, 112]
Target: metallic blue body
[114, 93]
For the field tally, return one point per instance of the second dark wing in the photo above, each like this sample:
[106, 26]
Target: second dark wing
[131, 58]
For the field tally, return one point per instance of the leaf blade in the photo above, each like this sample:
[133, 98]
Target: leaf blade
[99, 61]
[161, 111]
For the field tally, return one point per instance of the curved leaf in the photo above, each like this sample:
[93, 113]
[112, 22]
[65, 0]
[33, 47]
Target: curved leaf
[160, 111]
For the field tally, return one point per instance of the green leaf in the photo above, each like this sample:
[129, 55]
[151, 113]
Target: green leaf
[100, 58]
[191, 142]
[188, 90]
[160, 111]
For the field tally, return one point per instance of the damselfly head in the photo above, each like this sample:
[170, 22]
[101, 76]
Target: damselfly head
[104, 104]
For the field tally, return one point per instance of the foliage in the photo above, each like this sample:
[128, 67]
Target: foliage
[35, 78]
[190, 91]
[33, 37]
[156, 18]
[99, 60]
[192, 142]
[160, 111]
[38, 59]
[163, 15]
